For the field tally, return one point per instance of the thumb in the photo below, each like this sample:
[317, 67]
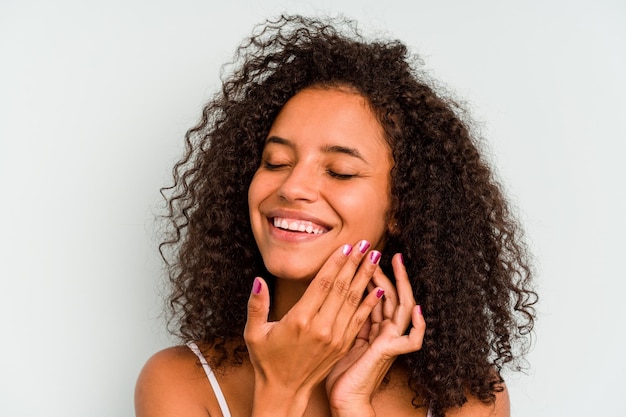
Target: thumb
[258, 307]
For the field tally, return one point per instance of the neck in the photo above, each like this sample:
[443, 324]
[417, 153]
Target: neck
[286, 295]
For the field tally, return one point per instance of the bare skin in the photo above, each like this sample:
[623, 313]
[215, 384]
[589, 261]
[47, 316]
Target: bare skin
[319, 348]
[323, 182]
[172, 383]
[328, 338]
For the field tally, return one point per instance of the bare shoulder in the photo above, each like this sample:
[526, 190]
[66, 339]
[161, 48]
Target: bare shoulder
[395, 399]
[172, 383]
[501, 407]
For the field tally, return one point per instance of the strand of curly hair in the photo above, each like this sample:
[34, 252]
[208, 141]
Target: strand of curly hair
[469, 268]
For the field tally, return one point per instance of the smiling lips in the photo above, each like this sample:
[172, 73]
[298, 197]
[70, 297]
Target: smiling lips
[299, 226]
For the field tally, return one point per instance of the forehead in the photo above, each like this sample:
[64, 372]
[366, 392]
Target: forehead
[329, 117]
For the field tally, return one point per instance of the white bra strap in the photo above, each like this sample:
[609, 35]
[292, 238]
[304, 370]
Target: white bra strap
[212, 380]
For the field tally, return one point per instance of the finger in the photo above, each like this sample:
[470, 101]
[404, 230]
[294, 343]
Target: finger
[416, 334]
[403, 285]
[258, 309]
[319, 288]
[348, 286]
[405, 292]
[415, 339]
[362, 314]
[390, 301]
[377, 313]
[364, 332]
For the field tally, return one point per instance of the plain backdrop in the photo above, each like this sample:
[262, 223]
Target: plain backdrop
[95, 98]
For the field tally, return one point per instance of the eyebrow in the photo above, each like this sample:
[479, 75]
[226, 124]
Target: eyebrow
[326, 149]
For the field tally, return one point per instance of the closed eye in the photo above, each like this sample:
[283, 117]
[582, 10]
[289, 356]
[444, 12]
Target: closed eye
[273, 167]
[340, 176]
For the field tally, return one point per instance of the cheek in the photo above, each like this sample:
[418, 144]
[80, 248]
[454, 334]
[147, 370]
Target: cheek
[255, 197]
[365, 209]
[257, 191]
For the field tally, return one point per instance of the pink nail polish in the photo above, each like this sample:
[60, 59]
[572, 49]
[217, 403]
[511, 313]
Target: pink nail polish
[256, 286]
[380, 293]
[419, 309]
[346, 249]
[364, 246]
[401, 259]
[375, 257]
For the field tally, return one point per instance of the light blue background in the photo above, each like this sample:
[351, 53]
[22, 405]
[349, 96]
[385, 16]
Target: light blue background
[96, 96]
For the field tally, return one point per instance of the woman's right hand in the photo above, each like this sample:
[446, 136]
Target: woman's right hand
[291, 356]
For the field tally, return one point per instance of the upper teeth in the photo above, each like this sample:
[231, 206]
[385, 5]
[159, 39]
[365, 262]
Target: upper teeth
[298, 225]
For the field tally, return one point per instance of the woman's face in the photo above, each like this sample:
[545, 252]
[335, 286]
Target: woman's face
[323, 181]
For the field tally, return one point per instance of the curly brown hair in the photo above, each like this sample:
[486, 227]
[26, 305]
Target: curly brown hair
[469, 268]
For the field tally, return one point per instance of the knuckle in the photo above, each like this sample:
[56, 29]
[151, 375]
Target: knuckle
[354, 298]
[255, 308]
[337, 345]
[301, 323]
[325, 284]
[334, 343]
[355, 259]
[342, 287]
[339, 261]
[416, 341]
[249, 337]
[416, 345]
[324, 336]
[358, 321]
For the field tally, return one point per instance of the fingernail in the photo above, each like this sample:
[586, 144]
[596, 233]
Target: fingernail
[374, 257]
[380, 293]
[346, 249]
[419, 309]
[402, 259]
[363, 246]
[256, 286]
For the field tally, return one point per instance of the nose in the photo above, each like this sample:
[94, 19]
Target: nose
[301, 184]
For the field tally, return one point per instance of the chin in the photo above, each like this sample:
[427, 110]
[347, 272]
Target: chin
[287, 271]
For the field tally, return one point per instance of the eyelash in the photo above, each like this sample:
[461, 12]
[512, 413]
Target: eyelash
[343, 177]
[272, 167]
[338, 176]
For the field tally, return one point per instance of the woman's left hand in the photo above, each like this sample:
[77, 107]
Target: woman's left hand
[354, 379]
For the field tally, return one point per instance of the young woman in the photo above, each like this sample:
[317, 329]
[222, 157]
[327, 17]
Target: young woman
[338, 246]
